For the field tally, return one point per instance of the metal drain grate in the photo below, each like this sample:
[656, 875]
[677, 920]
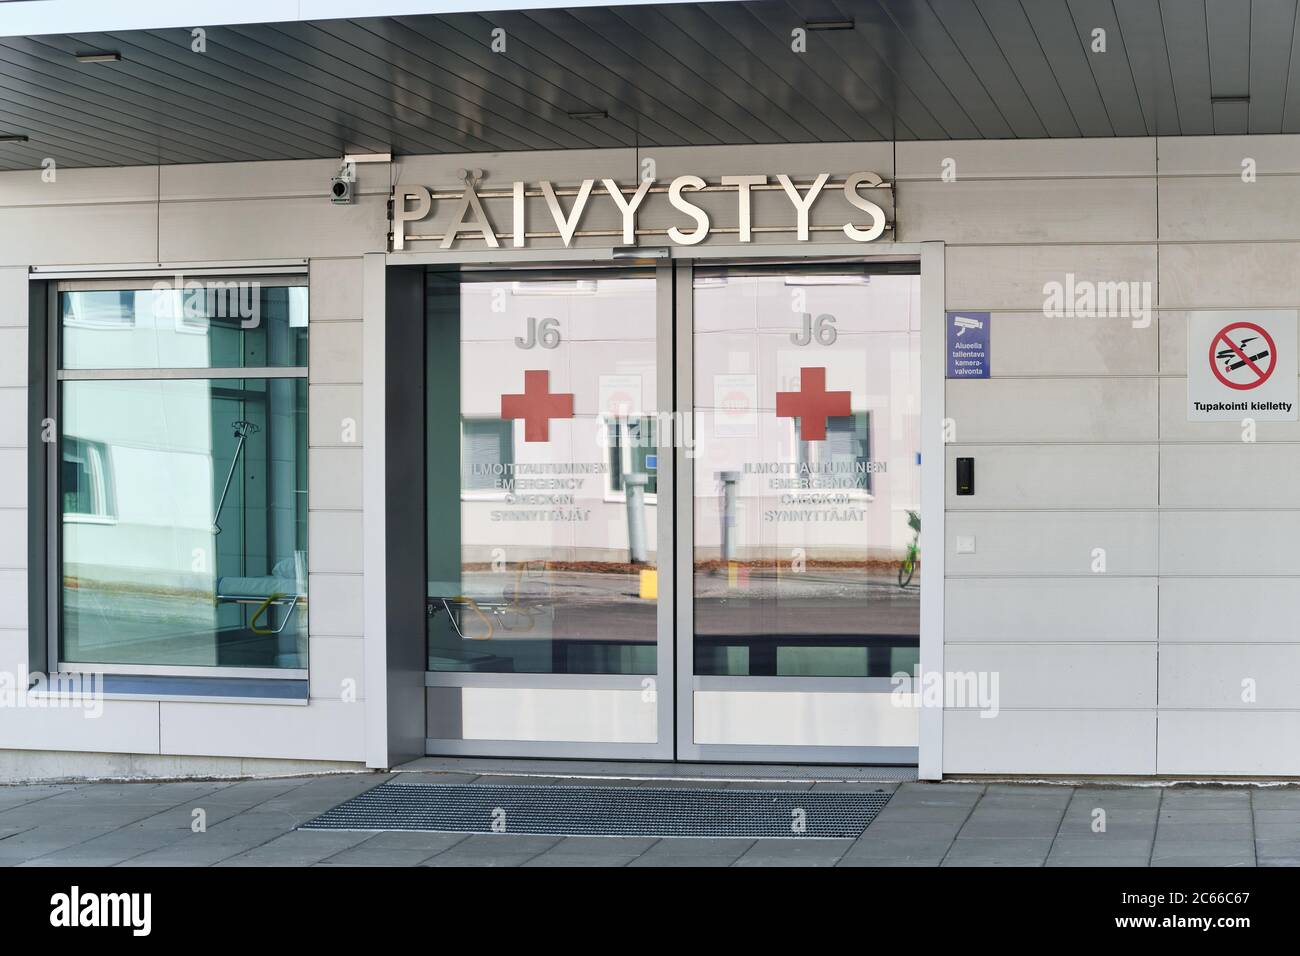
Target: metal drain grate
[607, 811]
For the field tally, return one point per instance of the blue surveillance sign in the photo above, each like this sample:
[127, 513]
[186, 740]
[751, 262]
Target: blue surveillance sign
[968, 344]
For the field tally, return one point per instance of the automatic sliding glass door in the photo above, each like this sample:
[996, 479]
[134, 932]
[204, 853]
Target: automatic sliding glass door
[673, 513]
[804, 511]
[549, 532]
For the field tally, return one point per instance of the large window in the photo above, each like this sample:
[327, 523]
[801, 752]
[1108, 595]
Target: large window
[182, 498]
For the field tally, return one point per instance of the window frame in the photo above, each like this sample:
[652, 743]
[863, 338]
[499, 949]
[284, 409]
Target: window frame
[614, 427]
[56, 376]
[96, 461]
[486, 494]
[866, 494]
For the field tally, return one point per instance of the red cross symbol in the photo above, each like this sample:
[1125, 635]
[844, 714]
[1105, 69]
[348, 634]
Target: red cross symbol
[812, 404]
[537, 406]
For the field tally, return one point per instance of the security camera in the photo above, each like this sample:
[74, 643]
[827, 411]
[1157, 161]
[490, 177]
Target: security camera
[342, 183]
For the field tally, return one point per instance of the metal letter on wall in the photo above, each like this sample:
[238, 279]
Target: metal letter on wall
[696, 221]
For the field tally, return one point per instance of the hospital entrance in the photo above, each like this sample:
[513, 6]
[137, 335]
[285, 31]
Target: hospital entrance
[673, 511]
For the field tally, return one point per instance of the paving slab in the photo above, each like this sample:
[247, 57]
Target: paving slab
[815, 853]
[593, 851]
[299, 848]
[493, 849]
[1008, 852]
[253, 822]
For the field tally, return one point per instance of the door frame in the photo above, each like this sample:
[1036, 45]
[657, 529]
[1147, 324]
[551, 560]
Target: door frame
[675, 509]
[929, 257]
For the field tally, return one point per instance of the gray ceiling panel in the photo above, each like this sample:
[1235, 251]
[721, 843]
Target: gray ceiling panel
[1189, 64]
[966, 26]
[655, 75]
[921, 29]
[1148, 59]
[1020, 47]
[1272, 34]
[1112, 68]
[1068, 55]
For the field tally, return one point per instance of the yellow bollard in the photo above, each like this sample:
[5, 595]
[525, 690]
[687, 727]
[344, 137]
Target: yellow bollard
[650, 585]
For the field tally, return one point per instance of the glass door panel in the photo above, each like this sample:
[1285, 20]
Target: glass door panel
[543, 561]
[806, 490]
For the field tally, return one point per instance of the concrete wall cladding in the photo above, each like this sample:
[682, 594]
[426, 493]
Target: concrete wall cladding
[1081, 443]
[201, 215]
[1079, 436]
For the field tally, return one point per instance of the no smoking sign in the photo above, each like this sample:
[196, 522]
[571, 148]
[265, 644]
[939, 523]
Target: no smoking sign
[1241, 365]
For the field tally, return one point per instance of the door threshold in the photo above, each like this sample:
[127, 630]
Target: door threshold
[657, 770]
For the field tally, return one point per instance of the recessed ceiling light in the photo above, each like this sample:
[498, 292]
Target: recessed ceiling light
[102, 57]
[846, 24]
[12, 138]
[588, 115]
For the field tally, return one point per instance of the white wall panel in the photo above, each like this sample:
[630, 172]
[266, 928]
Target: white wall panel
[76, 235]
[1053, 410]
[334, 541]
[13, 648]
[795, 160]
[13, 538]
[1216, 742]
[1221, 610]
[1098, 608]
[334, 479]
[1012, 277]
[13, 478]
[270, 228]
[1214, 275]
[13, 417]
[1051, 542]
[13, 357]
[1194, 209]
[336, 608]
[335, 290]
[1057, 476]
[1024, 211]
[122, 726]
[1037, 742]
[323, 730]
[13, 599]
[335, 413]
[1059, 675]
[13, 297]
[337, 668]
[80, 187]
[1229, 542]
[335, 353]
[1223, 155]
[276, 179]
[1241, 475]
[1234, 676]
[1033, 344]
[1029, 158]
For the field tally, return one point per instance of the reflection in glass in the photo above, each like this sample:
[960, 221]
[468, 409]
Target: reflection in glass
[184, 522]
[540, 433]
[806, 474]
[235, 324]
